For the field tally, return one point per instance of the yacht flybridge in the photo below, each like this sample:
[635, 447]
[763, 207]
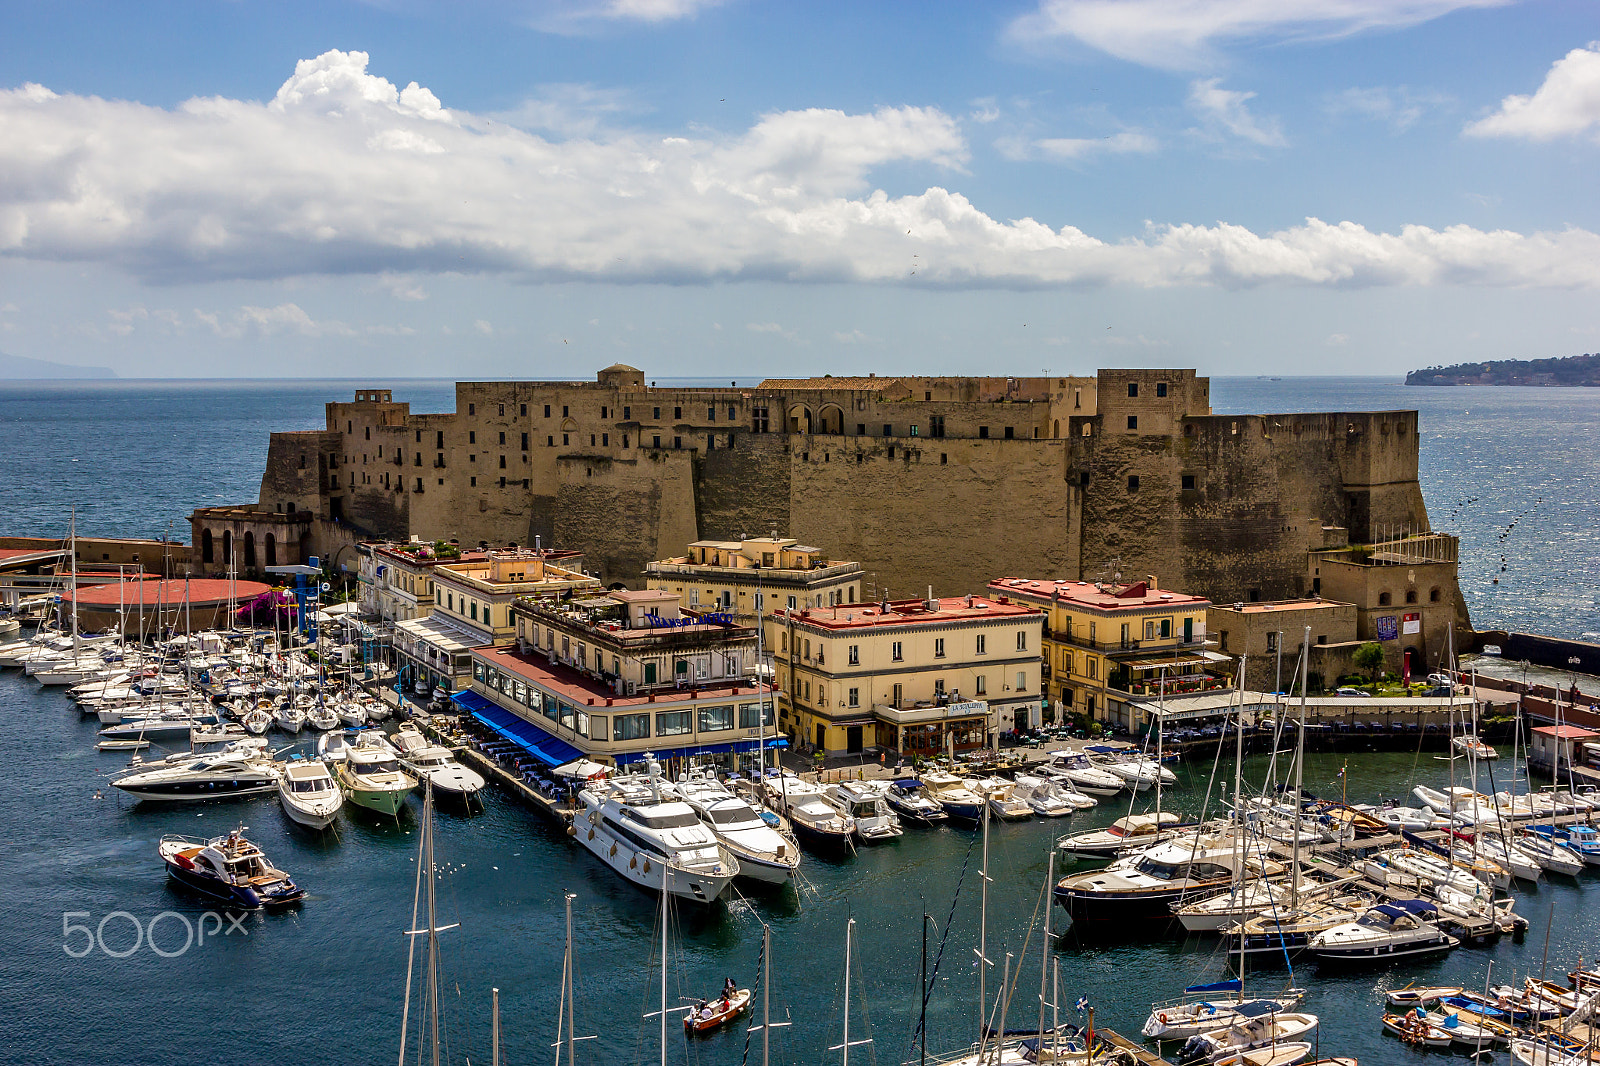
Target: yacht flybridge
[634, 825]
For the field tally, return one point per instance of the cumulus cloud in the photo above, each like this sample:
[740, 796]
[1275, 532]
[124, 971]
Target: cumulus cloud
[1224, 112]
[1186, 34]
[337, 175]
[1566, 105]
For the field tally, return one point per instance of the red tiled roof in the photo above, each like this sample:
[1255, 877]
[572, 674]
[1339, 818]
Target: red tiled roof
[199, 590]
[1086, 594]
[7, 554]
[1566, 732]
[905, 613]
[585, 691]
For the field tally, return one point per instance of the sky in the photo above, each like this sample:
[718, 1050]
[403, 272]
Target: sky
[537, 189]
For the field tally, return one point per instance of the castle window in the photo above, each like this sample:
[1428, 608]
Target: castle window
[677, 442]
[502, 462]
[1083, 478]
[891, 451]
[1411, 596]
[591, 440]
[1133, 389]
[1133, 482]
[523, 410]
[1188, 430]
[1161, 388]
[861, 430]
[731, 414]
[564, 412]
[627, 414]
[547, 410]
[603, 411]
[550, 440]
[655, 442]
[944, 458]
[472, 457]
[624, 440]
[419, 436]
[1087, 429]
[566, 438]
[472, 437]
[368, 432]
[472, 408]
[1009, 433]
[502, 410]
[1433, 596]
[677, 413]
[605, 440]
[983, 432]
[657, 414]
[302, 462]
[1188, 483]
[1383, 599]
[888, 430]
[1133, 421]
[711, 414]
[524, 442]
[418, 461]
[473, 482]
[502, 441]
[419, 484]
[440, 442]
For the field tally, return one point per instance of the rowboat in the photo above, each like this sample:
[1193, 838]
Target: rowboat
[717, 1012]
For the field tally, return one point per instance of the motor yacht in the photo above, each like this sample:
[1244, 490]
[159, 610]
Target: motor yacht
[954, 795]
[1402, 929]
[1044, 796]
[1134, 770]
[1075, 767]
[651, 838]
[1003, 803]
[1121, 836]
[1206, 1008]
[309, 793]
[1256, 1027]
[908, 797]
[867, 804]
[764, 853]
[223, 775]
[1469, 745]
[816, 822]
[372, 778]
[439, 766]
[1148, 884]
[229, 868]
[1582, 840]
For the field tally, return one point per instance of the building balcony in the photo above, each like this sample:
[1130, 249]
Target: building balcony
[1156, 645]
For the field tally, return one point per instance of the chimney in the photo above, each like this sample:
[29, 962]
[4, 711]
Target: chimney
[930, 604]
[1150, 582]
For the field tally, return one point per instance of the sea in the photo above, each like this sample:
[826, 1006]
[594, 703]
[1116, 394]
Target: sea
[102, 960]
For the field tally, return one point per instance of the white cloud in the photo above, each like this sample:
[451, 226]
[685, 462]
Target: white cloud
[570, 109]
[269, 322]
[1335, 340]
[1077, 149]
[773, 328]
[1400, 108]
[1185, 34]
[1223, 111]
[586, 16]
[303, 186]
[1566, 105]
[854, 336]
[656, 10]
[484, 327]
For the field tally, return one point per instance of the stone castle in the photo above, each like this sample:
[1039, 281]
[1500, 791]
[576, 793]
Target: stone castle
[948, 481]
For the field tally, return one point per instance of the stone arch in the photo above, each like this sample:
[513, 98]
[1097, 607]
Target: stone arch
[799, 419]
[1056, 430]
[249, 549]
[227, 546]
[272, 550]
[831, 419]
[207, 549]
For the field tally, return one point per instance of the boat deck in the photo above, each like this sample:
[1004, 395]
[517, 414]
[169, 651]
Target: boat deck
[1141, 1054]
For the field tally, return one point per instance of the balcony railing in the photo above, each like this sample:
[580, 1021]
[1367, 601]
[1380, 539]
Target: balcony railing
[1154, 644]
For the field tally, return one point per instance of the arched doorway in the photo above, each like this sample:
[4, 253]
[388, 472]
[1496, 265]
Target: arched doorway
[207, 550]
[227, 547]
[799, 419]
[272, 550]
[831, 419]
[249, 550]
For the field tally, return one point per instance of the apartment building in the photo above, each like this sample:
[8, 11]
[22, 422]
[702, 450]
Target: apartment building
[753, 575]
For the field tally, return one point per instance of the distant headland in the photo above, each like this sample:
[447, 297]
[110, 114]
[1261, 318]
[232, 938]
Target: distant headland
[1571, 370]
[21, 368]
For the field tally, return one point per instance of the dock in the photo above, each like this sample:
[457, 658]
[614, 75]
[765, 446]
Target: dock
[434, 726]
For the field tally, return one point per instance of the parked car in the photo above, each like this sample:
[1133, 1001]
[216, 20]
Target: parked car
[1353, 693]
[1441, 679]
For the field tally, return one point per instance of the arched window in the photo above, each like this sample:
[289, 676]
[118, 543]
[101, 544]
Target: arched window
[250, 551]
[1383, 599]
[1433, 595]
[227, 546]
[272, 550]
[206, 549]
[1411, 595]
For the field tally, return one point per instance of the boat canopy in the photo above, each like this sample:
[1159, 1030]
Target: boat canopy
[1255, 1008]
[907, 783]
[1233, 984]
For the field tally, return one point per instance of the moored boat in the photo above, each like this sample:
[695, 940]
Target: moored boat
[309, 794]
[229, 868]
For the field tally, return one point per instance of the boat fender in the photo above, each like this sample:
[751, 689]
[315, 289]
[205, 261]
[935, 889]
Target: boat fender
[613, 849]
[591, 832]
[647, 866]
[633, 862]
[572, 831]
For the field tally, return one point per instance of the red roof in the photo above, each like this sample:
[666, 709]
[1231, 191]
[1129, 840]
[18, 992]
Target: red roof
[8, 554]
[1086, 594]
[585, 692]
[197, 590]
[905, 612]
[1566, 732]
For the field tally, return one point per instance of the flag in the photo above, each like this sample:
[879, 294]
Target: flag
[1341, 771]
[1083, 1004]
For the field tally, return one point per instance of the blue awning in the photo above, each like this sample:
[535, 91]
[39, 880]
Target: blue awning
[740, 746]
[548, 749]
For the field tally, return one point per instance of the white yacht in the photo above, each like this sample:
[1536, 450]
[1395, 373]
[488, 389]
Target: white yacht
[908, 797]
[1121, 836]
[1000, 794]
[1206, 1008]
[309, 794]
[814, 820]
[1241, 903]
[1075, 767]
[954, 795]
[223, 775]
[634, 826]
[1137, 771]
[763, 853]
[1048, 797]
[1266, 1029]
[372, 778]
[1551, 855]
[1402, 929]
[867, 804]
[439, 766]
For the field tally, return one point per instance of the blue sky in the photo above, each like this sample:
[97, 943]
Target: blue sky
[489, 189]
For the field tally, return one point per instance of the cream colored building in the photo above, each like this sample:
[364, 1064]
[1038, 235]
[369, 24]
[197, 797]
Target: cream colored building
[912, 676]
[755, 575]
[1106, 644]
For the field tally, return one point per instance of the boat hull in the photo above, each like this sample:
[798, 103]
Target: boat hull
[648, 871]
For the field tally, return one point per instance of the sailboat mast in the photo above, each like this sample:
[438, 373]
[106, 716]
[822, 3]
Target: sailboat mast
[1044, 953]
[1161, 714]
[572, 1004]
[1299, 767]
[983, 921]
[72, 541]
[849, 931]
[433, 927]
[494, 1029]
[761, 705]
[666, 874]
[766, 990]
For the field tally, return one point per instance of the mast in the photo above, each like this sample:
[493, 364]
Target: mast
[983, 922]
[849, 931]
[1161, 716]
[572, 1004]
[494, 1029]
[433, 928]
[1044, 952]
[666, 874]
[766, 985]
[72, 541]
[761, 707]
[1299, 768]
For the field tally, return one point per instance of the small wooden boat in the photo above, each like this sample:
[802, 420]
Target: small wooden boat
[716, 1012]
[1412, 1029]
[1275, 1055]
[1420, 997]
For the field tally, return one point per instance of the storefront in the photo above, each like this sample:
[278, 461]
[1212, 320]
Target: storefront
[927, 732]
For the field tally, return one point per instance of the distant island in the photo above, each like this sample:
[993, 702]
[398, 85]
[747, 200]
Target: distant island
[21, 368]
[1571, 370]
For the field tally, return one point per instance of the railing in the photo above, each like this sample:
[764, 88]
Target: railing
[1154, 644]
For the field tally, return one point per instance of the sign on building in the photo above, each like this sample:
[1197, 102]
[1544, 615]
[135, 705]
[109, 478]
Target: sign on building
[1411, 622]
[1388, 627]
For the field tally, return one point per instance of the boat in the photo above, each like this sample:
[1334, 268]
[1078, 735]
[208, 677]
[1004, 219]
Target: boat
[816, 822]
[156, 727]
[1416, 1030]
[1132, 769]
[1581, 840]
[1547, 1052]
[1469, 745]
[352, 713]
[309, 794]
[1272, 1055]
[372, 778]
[222, 775]
[256, 722]
[1044, 796]
[1075, 767]
[1148, 884]
[1203, 1010]
[229, 868]
[1415, 819]
[1124, 835]
[1256, 1026]
[908, 797]
[1402, 929]
[438, 765]
[651, 838]
[1508, 854]
[1419, 997]
[1471, 1032]
[322, 718]
[867, 804]
[1216, 913]
[954, 796]
[713, 1014]
[1287, 931]
[1003, 804]
[764, 853]
[289, 718]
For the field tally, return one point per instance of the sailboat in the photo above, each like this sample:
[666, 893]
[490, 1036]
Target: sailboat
[425, 871]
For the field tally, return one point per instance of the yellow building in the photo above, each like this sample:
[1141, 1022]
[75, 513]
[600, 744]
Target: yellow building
[749, 577]
[1107, 644]
[912, 676]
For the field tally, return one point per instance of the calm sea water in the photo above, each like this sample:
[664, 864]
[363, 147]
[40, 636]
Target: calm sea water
[324, 982]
